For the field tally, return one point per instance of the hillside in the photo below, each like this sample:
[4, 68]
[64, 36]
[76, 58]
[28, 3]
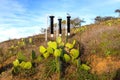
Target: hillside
[98, 45]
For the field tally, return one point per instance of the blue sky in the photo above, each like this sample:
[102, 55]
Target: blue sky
[22, 18]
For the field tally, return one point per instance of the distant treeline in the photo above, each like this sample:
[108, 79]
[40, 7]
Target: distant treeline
[100, 19]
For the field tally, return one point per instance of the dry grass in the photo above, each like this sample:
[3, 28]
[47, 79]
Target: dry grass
[100, 48]
[102, 65]
[94, 36]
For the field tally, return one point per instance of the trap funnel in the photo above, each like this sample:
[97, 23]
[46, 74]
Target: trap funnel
[51, 25]
[60, 27]
[68, 25]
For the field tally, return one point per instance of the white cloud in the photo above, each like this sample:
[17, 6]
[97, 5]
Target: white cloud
[15, 33]
[11, 6]
[17, 20]
[11, 12]
[114, 1]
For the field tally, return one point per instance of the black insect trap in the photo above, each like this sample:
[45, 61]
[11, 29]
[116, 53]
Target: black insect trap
[52, 25]
[68, 25]
[60, 27]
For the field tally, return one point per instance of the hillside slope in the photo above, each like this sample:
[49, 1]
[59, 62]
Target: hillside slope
[99, 48]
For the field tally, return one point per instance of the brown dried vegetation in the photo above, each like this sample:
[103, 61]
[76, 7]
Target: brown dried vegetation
[100, 48]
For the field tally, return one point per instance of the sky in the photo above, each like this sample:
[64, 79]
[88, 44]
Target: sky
[23, 18]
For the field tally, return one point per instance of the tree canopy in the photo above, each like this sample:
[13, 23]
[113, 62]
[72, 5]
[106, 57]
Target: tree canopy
[118, 11]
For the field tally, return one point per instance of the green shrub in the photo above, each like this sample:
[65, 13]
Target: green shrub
[21, 64]
[21, 57]
[65, 51]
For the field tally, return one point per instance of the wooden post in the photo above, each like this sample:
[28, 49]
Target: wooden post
[46, 29]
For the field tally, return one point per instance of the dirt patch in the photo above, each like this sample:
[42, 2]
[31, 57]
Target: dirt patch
[102, 65]
[7, 64]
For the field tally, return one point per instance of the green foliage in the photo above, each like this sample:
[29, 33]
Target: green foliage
[66, 57]
[74, 53]
[52, 44]
[81, 74]
[24, 68]
[59, 49]
[30, 40]
[78, 63]
[21, 43]
[68, 45]
[75, 62]
[15, 70]
[50, 68]
[63, 53]
[39, 58]
[42, 49]
[28, 65]
[109, 46]
[21, 57]
[16, 63]
[74, 42]
[59, 67]
[46, 55]
[85, 67]
[50, 50]
[13, 47]
[61, 44]
[57, 53]
[22, 64]
[80, 29]
[85, 75]
[109, 24]
[108, 52]
[58, 40]
[33, 55]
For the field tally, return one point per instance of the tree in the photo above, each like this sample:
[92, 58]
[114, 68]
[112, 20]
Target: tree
[118, 11]
[108, 18]
[98, 19]
[64, 24]
[42, 30]
[77, 22]
[82, 21]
